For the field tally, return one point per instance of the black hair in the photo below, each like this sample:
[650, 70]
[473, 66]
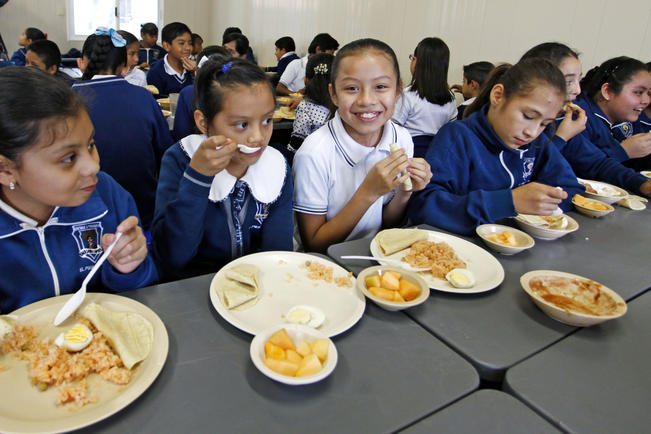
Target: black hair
[285, 43]
[616, 72]
[212, 80]
[555, 52]
[430, 80]
[102, 55]
[317, 71]
[241, 42]
[229, 30]
[129, 37]
[519, 79]
[477, 71]
[21, 120]
[324, 41]
[194, 37]
[34, 34]
[212, 51]
[361, 45]
[149, 29]
[173, 30]
[47, 51]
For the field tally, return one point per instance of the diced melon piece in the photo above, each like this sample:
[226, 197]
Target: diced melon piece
[383, 293]
[304, 349]
[397, 297]
[282, 339]
[309, 366]
[394, 273]
[273, 351]
[408, 290]
[320, 348]
[373, 281]
[293, 356]
[282, 367]
[390, 281]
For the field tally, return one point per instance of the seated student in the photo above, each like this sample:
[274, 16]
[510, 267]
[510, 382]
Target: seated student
[249, 53]
[427, 103]
[149, 51]
[285, 47]
[30, 35]
[495, 163]
[184, 116]
[474, 75]
[197, 45]
[614, 95]
[57, 211]
[292, 80]
[216, 200]
[643, 124]
[237, 45]
[135, 76]
[130, 130]
[45, 55]
[176, 69]
[315, 109]
[587, 161]
[347, 182]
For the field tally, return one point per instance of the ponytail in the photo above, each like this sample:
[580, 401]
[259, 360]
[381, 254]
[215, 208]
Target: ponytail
[616, 72]
[483, 98]
[102, 56]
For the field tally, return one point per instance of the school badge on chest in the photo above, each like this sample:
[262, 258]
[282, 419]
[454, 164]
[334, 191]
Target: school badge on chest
[89, 240]
[261, 213]
[527, 166]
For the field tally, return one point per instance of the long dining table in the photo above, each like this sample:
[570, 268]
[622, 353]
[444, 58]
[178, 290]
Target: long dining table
[499, 328]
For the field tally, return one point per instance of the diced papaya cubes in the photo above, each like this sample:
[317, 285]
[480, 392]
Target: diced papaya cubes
[390, 282]
[273, 351]
[283, 367]
[305, 359]
[373, 281]
[392, 287]
[408, 290]
[309, 366]
[282, 339]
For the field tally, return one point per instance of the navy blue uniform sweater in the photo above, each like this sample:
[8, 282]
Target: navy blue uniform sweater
[166, 83]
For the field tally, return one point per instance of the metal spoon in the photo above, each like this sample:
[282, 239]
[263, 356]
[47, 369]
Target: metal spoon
[395, 262]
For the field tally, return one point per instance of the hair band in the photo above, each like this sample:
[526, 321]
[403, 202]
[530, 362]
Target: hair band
[117, 39]
[321, 69]
[227, 66]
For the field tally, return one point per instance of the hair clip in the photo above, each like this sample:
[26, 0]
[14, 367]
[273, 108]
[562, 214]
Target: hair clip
[117, 39]
[227, 66]
[321, 69]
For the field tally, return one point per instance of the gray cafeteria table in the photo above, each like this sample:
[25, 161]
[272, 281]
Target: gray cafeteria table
[390, 373]
[485, 411]
[497, 329]
[595, 381]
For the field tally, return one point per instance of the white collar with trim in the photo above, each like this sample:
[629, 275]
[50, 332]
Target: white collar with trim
[356, 152]
[262, 178]
[170, 70]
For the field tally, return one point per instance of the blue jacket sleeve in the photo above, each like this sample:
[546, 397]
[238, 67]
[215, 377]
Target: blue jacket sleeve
[552, 169]
[162, 139]
[155, 78]
[18, 58]
[181, 206]
[598, 134]
[184, 116]
[278, 229]
[448, 201]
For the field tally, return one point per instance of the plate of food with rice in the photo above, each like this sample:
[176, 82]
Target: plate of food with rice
[257, 291]
[91, 366]
[456, 265]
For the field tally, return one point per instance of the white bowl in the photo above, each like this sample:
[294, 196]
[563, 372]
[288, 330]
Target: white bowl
[523, 240]
[393, 305]
[646, 173]
[607, 193]
[567, 316]
[545, 233]
[297, 333]
[593, 212]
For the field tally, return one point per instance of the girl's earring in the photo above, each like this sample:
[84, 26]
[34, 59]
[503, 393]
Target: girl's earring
[12, 186]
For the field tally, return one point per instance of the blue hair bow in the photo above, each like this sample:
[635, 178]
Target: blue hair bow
[226, 67]
[116, 38]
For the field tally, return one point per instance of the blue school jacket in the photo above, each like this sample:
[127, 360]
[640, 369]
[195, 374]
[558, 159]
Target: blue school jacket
[131, 134]
[166, 83]
[474, 173]
[184, 116]
[19, 58]
[155, 54]
[44, 261]
[193, 230]
[642, 125]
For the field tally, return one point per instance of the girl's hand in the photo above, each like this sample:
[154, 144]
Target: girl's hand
[570, 127]
[645, 188]
[537, 199]
[294, 103]
[638, 146]
[456, 88]
[419, 172]
[382, 178]
[208, 160]
[131, 250]
[188, 64]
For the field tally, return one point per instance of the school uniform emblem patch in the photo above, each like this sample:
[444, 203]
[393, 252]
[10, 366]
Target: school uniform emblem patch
[527, 164]
[88, 237]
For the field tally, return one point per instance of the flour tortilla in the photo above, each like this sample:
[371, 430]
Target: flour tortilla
[234, 294]
[130, 334]
[391, 241]
[244, 273]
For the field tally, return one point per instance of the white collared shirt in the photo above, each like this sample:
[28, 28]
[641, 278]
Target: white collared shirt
[330, 166]
[421, 117]
[172, 71]
[294, 75]
[137, 77]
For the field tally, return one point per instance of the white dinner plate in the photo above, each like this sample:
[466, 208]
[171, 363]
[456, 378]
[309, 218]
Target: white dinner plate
[23, 408]
[284, 284]
[487, 270]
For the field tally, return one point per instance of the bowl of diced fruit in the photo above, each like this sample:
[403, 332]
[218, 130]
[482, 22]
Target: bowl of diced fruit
[392, 288]
[504, 239]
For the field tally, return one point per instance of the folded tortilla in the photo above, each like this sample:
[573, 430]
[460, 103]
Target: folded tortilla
[130, 334]
[394, 240]
[244, 273]
[234, 294]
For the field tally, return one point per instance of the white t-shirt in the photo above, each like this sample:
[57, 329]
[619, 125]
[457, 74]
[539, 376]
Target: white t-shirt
[293, 77]
[330, 166]
[421, 117]
[136, 77]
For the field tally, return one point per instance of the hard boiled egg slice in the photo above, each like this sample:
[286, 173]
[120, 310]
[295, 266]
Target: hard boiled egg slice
[75, 339]
[308, 315]
[461, 278]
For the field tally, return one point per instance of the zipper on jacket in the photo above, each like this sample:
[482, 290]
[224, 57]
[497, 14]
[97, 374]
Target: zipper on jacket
[55, 279]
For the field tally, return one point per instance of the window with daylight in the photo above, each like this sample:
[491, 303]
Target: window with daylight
[84, 16]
